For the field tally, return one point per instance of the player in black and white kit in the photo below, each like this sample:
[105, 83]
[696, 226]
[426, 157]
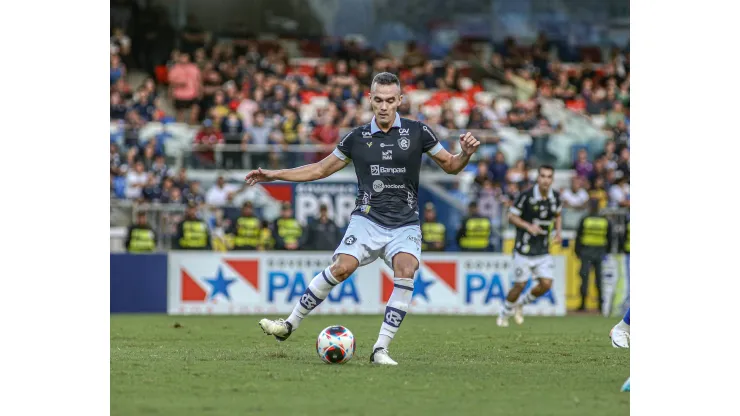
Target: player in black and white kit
[387, 156]
[534, 214]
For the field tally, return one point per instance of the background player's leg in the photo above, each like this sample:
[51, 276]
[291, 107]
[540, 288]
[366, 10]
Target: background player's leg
[404, 267]
[321, 285]
[620, 334]
[584, 272]
[597, 271]
[544, 284]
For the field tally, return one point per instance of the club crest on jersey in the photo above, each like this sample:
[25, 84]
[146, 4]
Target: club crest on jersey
[350, 240]
[404, 143]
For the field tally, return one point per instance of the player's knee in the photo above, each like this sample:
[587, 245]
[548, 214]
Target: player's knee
[520, 285]
[545, 284]
[343, 267]
[405, 266]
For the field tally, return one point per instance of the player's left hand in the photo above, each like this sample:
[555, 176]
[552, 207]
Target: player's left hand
[468, 143]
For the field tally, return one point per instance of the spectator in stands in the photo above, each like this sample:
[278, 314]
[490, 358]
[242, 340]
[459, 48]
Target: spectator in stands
[598, 192]
[222, 194]
[289, 129]
[325, 133]
[427, 79]
[490, 202]
[120, 44]
[175, 197]
[185, 88]
[498, 168]
[115, 160]
[118, 109]
[615, 115]
[117, 69]
[136, 180]
[540, 141]
[518, 173]
[148, 155]
[205, 142]
[219, 110]
[167, 186]
[247, 109]
[623, 165]
[575, 197]
[619, 193]
[621, 136]
[599, 169]
[259, 134]
[194, 195]
[610, 155]
[181, 180]
[286, 230]
[582, 165]
[234, 134]
[152, 192]
[322, 234]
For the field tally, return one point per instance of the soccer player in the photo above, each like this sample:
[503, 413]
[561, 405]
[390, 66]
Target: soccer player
[620, 334]
[533, 215]
[387, 156]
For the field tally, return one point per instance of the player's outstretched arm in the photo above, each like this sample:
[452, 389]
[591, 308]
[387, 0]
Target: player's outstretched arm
[306, 173]
[454, 164]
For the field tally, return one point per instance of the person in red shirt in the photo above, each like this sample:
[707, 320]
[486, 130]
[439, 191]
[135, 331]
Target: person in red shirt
[205, 140]
[326, 133]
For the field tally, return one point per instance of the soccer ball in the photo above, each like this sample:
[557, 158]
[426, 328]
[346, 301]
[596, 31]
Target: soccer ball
[335, 345]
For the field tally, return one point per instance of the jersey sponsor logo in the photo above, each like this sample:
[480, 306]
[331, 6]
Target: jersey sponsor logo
[404, 143]
[387, 154]
[428, 130]
[350, 240]
[369, 144]
[376, 170]
[378, 186]
[386, 145]
[366, 134]
[416, 240]
[403, 132]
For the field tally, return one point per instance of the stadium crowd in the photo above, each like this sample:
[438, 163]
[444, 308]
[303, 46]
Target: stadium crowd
[248, 94]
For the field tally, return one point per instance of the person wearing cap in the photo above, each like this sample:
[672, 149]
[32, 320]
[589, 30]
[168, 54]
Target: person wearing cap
[286, 230]
[192, 232]
[141, 237]
[322, 233]
[593, 240]
[432, 231]
[475, 231]
[245, 231]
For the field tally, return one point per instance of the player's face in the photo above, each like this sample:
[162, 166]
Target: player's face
[385, 100]
[544, 179]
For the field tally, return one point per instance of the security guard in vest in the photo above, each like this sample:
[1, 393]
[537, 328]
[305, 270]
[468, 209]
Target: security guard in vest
[141, 237]
[267, 242]
[287, 231]
[475, 232]
[245, 231]
[593, 240]
[432, 231]
[192, 232]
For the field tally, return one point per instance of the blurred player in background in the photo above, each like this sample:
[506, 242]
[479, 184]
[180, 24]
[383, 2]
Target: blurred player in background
[387, 156]
[533, 215]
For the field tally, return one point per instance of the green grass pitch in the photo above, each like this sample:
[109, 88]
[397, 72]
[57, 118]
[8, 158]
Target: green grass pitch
[448, 365]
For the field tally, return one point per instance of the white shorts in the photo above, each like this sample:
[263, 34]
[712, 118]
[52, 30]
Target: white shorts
[366, 241]
[537, 266]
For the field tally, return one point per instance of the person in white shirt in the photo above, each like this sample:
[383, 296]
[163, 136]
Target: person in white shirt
[576, 196]
[221, 193]
[136, 180]
[619, 193]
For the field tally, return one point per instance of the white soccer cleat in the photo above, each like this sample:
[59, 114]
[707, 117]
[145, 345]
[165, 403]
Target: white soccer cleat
[280, 328]
[380, 356]
[620, 338]
[502, 321]
[519, 314]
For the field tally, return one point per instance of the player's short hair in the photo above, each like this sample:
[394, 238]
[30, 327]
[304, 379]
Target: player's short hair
[547, 167]
[385, 78]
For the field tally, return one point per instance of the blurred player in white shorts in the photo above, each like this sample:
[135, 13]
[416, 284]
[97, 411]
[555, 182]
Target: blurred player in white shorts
[387, 156]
